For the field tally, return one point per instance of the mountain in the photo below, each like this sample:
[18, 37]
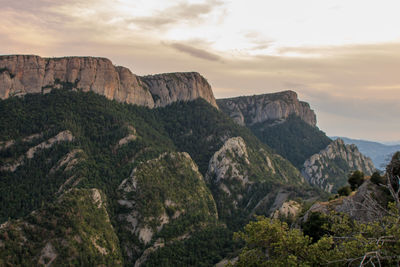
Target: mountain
[23, 74]
[379, 153]
[288, 126]
[329, 168]
[177, 180]
[272, 108]
[281, 121]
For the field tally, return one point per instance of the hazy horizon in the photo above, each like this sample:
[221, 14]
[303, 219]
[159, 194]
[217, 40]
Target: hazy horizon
[340, 56]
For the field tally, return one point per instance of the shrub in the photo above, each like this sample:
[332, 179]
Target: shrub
[356, 179]
[344, 191]
[376, 178]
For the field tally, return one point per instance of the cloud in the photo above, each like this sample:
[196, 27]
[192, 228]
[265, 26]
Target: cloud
[182, 12]
[195, 52]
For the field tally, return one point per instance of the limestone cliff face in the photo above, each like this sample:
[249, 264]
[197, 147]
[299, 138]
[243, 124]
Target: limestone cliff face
[25, 74]
[276, 107]
[171, 87]
[329, 168]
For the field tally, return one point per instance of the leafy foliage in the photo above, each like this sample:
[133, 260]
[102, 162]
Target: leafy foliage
[356, 179]
[205, 248]
[376, 178]
[344, 191]
[270, 242]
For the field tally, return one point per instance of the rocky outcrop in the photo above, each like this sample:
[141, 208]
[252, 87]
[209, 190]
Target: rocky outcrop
[25, 74]
[225, 163]
[171, 87]
[157, 195]
[288, 209]
[64, 136]
[329, 168]
[365, 205]
[274, 108]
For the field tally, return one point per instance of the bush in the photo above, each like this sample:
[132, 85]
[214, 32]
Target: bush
[376, 178]
[344, 191]
[315, 226]
[356, 179]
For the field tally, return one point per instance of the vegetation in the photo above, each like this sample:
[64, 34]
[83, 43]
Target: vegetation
[272, 243]
[331, 239]
[377, 179]
[98, 125]
[76, 230]
[344, 191]
[204, 248]
[293, 139]
[356, 179]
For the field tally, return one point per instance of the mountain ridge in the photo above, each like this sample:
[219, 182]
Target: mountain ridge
[329, 168]
[273, 107]
[24, 74]
[378, 152]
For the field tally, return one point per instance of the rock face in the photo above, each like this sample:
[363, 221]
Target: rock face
[25, 74]
[364, 205]
[329, 168]
[64, 136]
[238, 174]
[276, 107]
[289, 209]
[224, 165]
[171, 87]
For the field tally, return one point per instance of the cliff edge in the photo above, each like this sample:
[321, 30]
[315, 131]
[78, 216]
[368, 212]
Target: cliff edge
[275, 107]
[26, 74]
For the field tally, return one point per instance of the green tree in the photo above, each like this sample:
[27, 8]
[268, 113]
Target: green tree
[270, 242]
[376, 178]
[344, 191]
[356, 179]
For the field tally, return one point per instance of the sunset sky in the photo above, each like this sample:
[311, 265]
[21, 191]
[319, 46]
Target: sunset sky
[341, 56]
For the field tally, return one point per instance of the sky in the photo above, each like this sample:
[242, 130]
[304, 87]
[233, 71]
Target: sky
[341, 56]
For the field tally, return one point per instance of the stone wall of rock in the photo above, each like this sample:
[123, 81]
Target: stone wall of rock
[329, 168]
[25, 74]
[248, 110]
[171, 87]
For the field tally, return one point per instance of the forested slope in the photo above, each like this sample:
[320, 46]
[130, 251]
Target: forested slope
[62, 140]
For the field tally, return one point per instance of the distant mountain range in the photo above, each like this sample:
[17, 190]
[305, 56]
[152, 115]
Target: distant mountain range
[378, 152]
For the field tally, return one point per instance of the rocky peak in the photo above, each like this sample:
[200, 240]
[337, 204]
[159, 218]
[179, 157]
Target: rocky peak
[275, 107]
[171, 87]
[25, 74]
[329, 168]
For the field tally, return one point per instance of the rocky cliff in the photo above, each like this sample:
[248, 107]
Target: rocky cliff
[276, 107]
[24, 74]
[171, 87]
[364, 205]
[329, 168]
